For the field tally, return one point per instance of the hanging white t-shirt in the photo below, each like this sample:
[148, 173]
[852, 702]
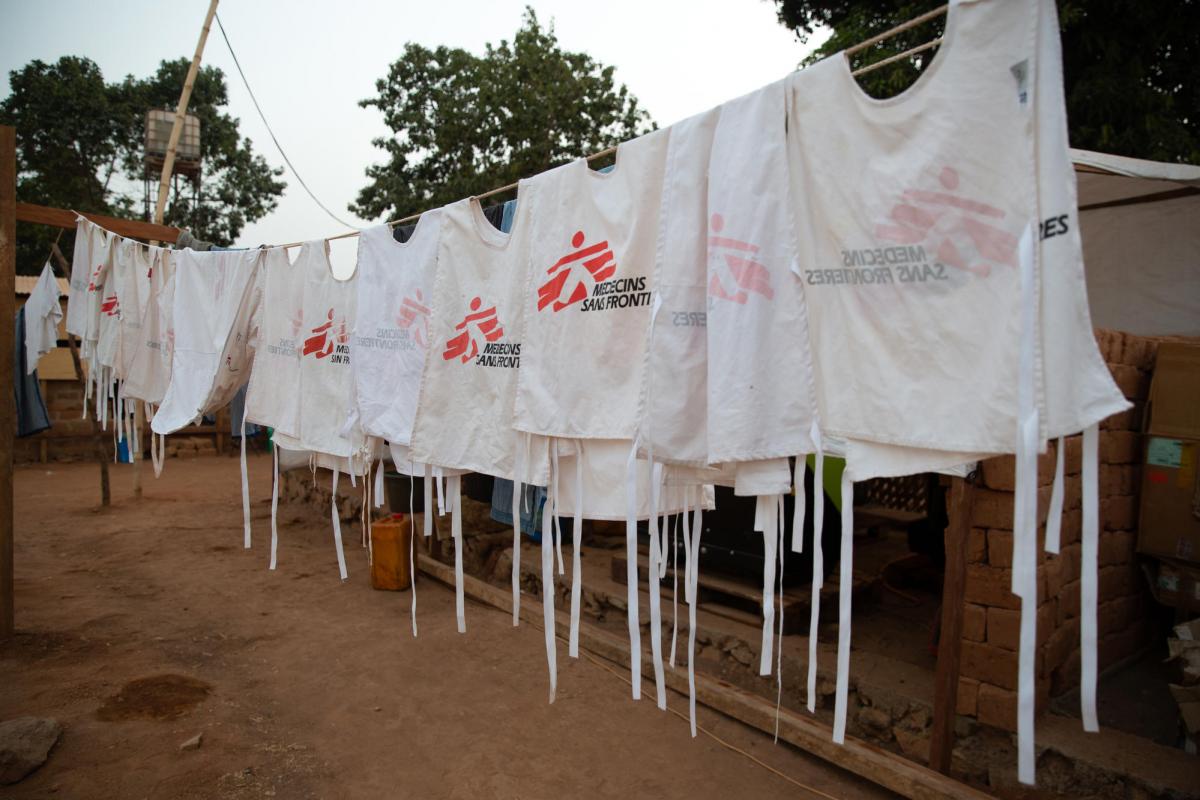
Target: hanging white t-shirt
[392, 334]
[273, 394]
[210, 291]
[464, 409]
[149, 369]
[42, 315]
[587, 299]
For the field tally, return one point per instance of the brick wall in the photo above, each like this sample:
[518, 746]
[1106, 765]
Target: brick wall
[988, 682]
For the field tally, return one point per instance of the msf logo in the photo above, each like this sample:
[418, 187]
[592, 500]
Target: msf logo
[110, 306]
[736, 274]
[478, 324]
[414, 318]
[960, 230]
[570, 285]
[325, 337]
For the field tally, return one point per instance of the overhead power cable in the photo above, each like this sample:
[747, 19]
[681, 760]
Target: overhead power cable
[278, 146]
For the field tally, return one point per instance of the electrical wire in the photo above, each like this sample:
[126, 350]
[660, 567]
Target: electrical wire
[278, 146]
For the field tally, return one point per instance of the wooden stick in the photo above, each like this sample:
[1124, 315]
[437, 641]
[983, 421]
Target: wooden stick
[887, 769]
[65, 218]
[945, 679]
[912, 51]
[8, 410]
[180, 110]
[901, 28]
[101, 451]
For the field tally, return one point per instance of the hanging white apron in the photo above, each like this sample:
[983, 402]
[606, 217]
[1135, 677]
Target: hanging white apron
[392, 335]
[273, 393]
[86, 258]
[149, 368]
[211, 290]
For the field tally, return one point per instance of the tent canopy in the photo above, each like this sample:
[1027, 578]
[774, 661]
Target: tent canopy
[1140, 222]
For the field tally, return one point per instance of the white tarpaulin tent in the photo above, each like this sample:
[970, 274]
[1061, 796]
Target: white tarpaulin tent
[1140, 222]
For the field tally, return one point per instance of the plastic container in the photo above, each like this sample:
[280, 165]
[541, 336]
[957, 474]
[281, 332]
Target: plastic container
[390, 542]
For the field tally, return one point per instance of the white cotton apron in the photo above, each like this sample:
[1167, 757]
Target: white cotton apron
[131, 274]
[42, 315]
[211, 290]
[588, 298]
[761, 401]
[326, 379]
[149, 366]
[90, 243]
[673, 412]
[464, 407]
[273, 393]
[392, 334]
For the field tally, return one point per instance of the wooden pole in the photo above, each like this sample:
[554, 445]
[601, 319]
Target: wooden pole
[945, 679]
[8, 411]
[101, 452]
[160, 206]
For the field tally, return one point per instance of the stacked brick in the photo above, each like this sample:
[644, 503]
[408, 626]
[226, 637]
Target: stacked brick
[988, 671]
[70, 436]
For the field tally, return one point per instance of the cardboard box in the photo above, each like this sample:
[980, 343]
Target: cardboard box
[1170, 507]
[1176, 585]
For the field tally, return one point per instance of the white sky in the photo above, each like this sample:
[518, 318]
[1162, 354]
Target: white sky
[310, 63]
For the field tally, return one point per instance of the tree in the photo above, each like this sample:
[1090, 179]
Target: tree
[1132, 70]
[80, 146]
[465, 124]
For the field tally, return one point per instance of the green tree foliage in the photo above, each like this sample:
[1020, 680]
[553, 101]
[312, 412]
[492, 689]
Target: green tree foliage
[1132, 70]
[80, 141]
[464, 124]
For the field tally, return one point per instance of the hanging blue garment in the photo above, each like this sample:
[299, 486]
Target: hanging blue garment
[27, 392]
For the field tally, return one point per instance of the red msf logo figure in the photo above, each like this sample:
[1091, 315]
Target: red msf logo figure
[110, 306]
[92, 285]
[735, 272]
[321, 343]
[596, 259]
[958, 226]
[414, 317]
[465, 345]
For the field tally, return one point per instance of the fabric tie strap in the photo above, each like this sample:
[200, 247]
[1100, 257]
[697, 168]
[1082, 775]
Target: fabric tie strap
[337, 528]
[274, 504]
[818, 576]
[767, 511]
[455, 490]
[845, 593]
[1088, 579]
[576, 565]
[245, 491]
[631, 573]
[1054, 515]
[548, 586]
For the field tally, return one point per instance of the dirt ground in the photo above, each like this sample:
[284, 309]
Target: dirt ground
[145, 624]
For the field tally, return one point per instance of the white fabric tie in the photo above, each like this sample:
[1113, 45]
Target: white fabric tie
[818, 575]
[516, 551]
[337, 528]
[845, 593]
[1054, 515]
[274, 505]
[779, 647]
[800, 509]
[454, 489]
[767, 512]
[245, 491]
[691, 540]
[1024, 558]
[653, 579]
[427, 483]
[412, 548]
[576, 565]
[675, 580]
[548, 586]
[631, 574]
[1088, 579]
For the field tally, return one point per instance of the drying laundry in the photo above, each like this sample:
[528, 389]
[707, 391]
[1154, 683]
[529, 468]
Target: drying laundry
[42, 315]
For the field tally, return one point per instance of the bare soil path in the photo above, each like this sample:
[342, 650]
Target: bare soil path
[145, 624]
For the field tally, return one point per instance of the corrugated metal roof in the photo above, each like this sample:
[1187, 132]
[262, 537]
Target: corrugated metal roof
[25, 284]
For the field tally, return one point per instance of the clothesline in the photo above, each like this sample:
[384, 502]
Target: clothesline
[904, 26]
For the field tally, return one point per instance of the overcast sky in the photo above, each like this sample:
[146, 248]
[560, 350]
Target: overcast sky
[310, 63]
